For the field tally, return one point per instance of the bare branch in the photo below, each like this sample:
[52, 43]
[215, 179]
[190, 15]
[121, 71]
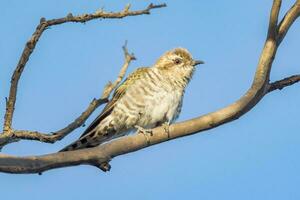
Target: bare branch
[288, 20]
[101, 14]
[53, 137]
[111, 86]
[272, 32]
[79, 121]
[279, 85]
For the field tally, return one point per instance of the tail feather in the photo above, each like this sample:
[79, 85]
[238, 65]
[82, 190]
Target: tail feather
[87, 141]
[94, 137]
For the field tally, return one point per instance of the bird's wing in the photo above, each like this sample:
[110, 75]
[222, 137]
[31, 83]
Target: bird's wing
[119, 92]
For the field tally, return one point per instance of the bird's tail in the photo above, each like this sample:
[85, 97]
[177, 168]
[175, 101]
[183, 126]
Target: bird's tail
[79, 144]
[94, 137]
[87, 141]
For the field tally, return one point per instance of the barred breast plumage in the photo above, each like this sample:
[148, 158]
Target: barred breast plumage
[149, 97]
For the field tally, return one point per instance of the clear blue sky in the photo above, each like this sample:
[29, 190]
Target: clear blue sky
[255, 157]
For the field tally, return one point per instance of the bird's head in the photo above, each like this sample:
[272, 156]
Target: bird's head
[178, 59]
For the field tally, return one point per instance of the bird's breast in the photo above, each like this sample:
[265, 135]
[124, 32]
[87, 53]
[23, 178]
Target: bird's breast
[164, 106]
[151, 100]
[160, 105]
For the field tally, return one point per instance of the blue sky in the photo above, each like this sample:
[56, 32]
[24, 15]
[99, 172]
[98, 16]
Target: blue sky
[255, 157]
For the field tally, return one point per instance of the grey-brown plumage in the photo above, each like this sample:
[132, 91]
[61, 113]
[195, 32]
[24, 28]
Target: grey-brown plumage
[150, 96]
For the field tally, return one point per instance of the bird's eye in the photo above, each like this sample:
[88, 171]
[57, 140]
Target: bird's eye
[177, 61]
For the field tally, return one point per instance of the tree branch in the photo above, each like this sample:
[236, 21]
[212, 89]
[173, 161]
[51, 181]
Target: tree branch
[272, 32]
[288, 20]
[111, 86]
[99, 156]
[9, 134]
[279, 85]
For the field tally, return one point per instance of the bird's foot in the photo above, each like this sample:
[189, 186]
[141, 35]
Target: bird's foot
[166, 127]
[145, 132]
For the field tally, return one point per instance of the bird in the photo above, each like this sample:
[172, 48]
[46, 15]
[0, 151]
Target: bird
[149, 97]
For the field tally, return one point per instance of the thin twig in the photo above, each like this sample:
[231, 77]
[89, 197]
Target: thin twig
[272, 31]
[111, 86]
[288, 20]
[279, 85]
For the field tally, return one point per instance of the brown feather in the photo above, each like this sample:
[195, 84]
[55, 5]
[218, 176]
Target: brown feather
[119, 92]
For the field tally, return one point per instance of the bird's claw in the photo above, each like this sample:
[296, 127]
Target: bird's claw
[145, 132]
[166, 127]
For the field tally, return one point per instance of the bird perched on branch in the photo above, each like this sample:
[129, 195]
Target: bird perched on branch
[149, 97]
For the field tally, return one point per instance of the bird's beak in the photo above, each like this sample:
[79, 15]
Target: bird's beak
[197, 62]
